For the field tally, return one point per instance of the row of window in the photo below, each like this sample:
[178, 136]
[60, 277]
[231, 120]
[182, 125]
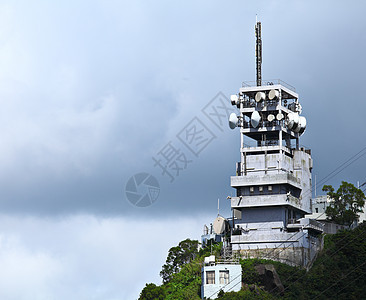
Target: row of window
[260, 189]
[223, 277]
[268, 190]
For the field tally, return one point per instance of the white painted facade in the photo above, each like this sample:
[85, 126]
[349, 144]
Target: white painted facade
[226, 277]
[320, 205]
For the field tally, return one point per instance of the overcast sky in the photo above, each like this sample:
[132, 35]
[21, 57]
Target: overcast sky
[92, 92]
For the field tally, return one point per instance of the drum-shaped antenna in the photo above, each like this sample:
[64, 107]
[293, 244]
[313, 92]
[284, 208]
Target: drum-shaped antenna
[279, 116]
[234, 99]
[271, 117]
[292, 106]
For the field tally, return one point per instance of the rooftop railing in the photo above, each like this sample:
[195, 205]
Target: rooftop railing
[230, 261]
[269, 82]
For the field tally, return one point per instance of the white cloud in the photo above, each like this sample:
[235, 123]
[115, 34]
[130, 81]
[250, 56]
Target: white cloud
[84, 257]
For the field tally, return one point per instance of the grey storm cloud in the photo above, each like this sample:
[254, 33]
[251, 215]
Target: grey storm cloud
[91, 93]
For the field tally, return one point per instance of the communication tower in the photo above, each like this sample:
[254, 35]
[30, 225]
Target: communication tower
[273, 178]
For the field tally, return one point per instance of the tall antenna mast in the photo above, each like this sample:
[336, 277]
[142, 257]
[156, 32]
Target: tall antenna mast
[218, 206]
[258, 51]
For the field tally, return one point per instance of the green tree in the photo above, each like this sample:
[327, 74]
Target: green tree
[347, 203]
[221, 294]
[152, 292]
[184, 253]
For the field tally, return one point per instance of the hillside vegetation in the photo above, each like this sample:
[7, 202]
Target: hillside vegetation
[338, 273]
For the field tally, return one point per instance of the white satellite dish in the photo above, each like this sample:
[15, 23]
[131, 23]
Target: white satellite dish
[295, 127]
[279, 116]
[233, 120]
[302, 125]
[273, 94]
[255, 119]
[292, 121]
[259, 96]
[234, 99]
[271, 117]
[219, 225]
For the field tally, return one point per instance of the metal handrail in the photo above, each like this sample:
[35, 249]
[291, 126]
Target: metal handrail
[232, 261]
[269, 82]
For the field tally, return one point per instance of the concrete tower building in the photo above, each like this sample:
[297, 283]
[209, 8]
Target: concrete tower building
[273, 178]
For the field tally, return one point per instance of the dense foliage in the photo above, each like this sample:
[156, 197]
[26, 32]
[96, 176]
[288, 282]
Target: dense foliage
[186, 284]
[178, 256]
[250, 276]
[152, 291]
[338, 273]
[347, 203]
[257, 294]
[182, 271]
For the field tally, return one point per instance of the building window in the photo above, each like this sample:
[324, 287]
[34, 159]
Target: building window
[316, 209]
[224, 277]
[210, 277]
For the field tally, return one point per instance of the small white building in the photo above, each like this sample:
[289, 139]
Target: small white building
[319, 206]
[217, 277]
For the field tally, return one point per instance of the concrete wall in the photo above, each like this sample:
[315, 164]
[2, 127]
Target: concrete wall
[264, 238]
[262, 214]
[332, 228]
[294, 175]
[302, 171]
[301, 254]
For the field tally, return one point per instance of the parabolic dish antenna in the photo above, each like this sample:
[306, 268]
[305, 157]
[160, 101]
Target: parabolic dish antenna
[302, 125]
[260, 96]
[296, 122]
[255, 119]
[273, 94]
[292, 121]
[233, 120]
[219, 225]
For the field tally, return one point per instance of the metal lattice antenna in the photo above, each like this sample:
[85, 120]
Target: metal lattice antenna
[258, 52]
